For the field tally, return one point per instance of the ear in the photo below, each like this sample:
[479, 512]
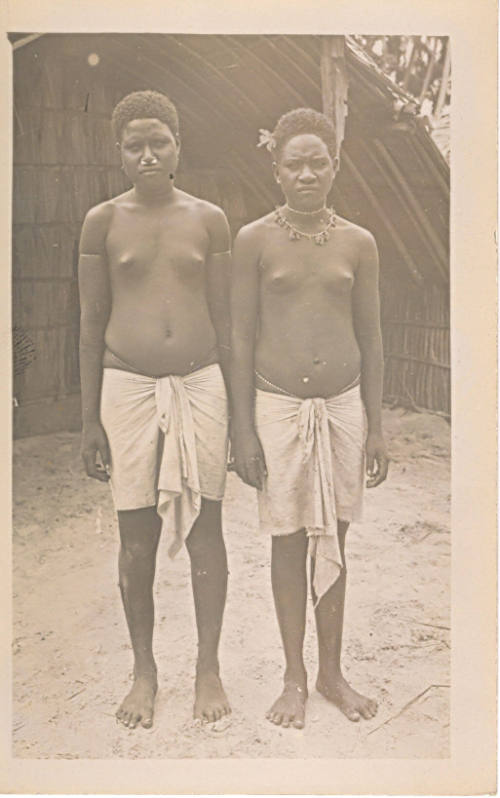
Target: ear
[336, 164]
[276, 172]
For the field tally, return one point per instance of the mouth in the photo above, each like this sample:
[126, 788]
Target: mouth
[150, 171]
[304, 189]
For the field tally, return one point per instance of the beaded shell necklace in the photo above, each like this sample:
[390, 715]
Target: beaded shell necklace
[295, 234]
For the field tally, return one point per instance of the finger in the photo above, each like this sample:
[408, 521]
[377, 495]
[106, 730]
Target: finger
[262, 470]
[104, 453]
[263, 462]
[375, 480]
[384, 466]
[100, 473]
[370, 464]
[244, 475]
[253, 473]
[382, 469]
[94, 470]
[89, 462]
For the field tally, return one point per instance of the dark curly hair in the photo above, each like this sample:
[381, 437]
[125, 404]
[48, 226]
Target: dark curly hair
[144, 105]
[303, 120]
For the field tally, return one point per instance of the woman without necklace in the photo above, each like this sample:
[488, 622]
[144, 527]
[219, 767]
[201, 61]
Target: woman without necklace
[307, 369]
[154, 342]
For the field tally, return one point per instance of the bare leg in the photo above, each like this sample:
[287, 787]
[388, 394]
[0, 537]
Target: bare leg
[289, 581]
[139, 534]
[330, 623]
[207, 551]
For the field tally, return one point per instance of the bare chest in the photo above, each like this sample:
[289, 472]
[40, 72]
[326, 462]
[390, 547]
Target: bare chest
[142, 247]
[302, 267]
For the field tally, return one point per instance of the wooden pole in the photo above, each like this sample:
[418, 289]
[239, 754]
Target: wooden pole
[334, 83]
[430, 70]
[411, 61]
[444, 82]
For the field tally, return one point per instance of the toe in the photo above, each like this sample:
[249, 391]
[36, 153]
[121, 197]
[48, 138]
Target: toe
[353, 715]
[277, 718]
[134, 719]
[365, 711]
[147, 722]
[373, 707]
[286, 721]
[298, 723]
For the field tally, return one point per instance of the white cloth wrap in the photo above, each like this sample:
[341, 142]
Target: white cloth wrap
[314, 450]
[175, 469]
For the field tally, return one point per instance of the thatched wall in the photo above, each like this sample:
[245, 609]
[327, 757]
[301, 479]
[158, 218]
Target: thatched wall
[391, 181]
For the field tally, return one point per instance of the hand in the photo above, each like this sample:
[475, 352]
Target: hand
[94, 441]
[249, 461]
[377, 460]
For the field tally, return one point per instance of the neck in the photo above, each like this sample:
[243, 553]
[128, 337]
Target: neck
[308, 212]
[155, 195]
[309, 220]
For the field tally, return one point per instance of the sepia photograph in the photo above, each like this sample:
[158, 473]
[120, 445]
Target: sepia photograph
[198, 224]
[232, 404]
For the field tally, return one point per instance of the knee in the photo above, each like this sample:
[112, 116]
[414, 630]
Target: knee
[137, 551]
[205, 539]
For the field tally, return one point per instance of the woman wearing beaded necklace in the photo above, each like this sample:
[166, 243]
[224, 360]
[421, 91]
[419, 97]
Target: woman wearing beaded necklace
[307, 388]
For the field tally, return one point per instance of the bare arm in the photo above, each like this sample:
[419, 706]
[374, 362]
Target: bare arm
[95, 305]
[366, 317]
[218, 270]
[248, 454]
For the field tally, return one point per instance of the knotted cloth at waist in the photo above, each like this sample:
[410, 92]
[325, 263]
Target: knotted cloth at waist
[314, 450]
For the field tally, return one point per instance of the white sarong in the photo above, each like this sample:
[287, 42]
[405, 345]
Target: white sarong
[315, 458]
[168, 440]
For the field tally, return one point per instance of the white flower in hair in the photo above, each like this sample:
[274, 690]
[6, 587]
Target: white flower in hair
[266, 139]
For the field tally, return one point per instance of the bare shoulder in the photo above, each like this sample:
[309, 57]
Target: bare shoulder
[100, 214]
[360, 241]
[206, 210]
[256, 232]
[210, 216]
[96, 227]
[357, 233]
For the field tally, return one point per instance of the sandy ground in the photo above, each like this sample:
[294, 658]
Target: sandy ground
[72, 659]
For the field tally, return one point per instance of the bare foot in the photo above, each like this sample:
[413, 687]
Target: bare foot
[210, 701]
[354, 705]
[290, 708]
[138, 705]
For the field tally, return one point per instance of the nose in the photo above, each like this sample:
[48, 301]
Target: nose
[148, 156]
[307, 175]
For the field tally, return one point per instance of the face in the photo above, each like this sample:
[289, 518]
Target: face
[149, 151]
[305, 171]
